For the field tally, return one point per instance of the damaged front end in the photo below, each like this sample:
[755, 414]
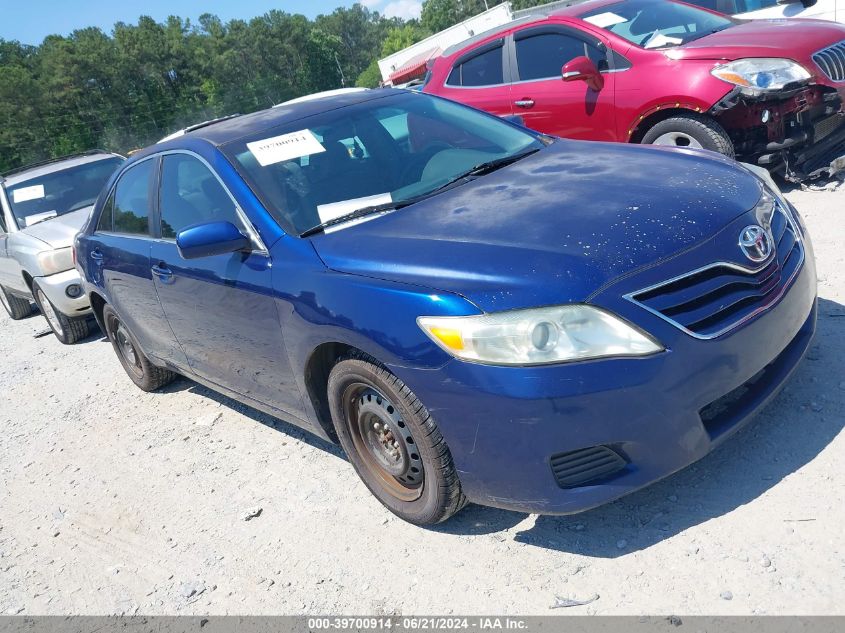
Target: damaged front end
[795, 126]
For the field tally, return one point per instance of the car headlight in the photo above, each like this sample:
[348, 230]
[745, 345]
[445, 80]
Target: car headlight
[760, 75]
[538, 336]
[56, 261]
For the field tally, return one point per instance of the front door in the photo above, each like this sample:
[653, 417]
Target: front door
[221, 308]
[547, 103]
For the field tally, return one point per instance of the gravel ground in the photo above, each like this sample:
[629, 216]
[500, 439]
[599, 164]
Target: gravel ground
[116, 501]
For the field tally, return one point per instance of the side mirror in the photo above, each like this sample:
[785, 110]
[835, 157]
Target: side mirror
[515, 119]
[214, 238]
[583, 69]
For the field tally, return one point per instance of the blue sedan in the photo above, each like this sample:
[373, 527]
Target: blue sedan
[476, 312]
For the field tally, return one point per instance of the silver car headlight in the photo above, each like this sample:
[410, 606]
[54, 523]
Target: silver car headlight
[538, 336]
[760, 75]
[56, 261]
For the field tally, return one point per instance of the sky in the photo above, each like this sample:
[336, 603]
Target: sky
[29, 21]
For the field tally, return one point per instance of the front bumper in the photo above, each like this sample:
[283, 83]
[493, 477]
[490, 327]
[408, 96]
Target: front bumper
[660, 413]
[55, 287]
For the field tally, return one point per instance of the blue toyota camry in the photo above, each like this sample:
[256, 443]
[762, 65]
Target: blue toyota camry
[476, 312]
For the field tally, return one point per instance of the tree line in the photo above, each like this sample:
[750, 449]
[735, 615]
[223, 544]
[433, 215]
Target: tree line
[127, 89]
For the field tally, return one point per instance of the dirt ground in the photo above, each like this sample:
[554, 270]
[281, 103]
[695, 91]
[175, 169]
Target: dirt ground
[116, 501]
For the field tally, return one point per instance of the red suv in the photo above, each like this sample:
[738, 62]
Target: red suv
[769, 92]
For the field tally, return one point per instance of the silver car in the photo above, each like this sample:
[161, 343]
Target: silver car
[43, 207]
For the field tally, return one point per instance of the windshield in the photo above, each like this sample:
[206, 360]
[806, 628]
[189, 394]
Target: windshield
[372, 154]
[657, 23]
[59, 192]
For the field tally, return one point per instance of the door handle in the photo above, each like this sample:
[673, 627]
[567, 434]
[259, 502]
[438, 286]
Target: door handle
[161, 271]
[97, 256]
[524, 103]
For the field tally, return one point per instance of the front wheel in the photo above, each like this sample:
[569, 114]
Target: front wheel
[16, 307]
[691, 130]
[138, 367]
[67, 329]
[393, 442]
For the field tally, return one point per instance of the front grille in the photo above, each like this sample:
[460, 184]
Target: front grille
[577, 468]
[713, 300]
[832, 61]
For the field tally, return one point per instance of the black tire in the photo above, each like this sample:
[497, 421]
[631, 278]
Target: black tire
[704, 130]
[67, 329]
[16, 307]
[138, 367]
[423, 487]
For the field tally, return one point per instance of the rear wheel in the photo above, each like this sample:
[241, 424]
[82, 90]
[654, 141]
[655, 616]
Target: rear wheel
[67, 329]
[393, 442]
[138, 367]
[16, 307]
[691, 130]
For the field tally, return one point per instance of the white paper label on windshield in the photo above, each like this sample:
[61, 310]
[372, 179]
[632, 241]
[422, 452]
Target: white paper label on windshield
[658, 39]
[25, 194]
[604, 20]
[336, 209]
[285, 147]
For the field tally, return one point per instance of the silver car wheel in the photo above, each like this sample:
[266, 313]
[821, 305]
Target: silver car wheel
[49, 313]
[677, 139]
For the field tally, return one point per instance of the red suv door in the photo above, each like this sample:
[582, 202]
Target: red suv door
[547, 103]
[479, 78]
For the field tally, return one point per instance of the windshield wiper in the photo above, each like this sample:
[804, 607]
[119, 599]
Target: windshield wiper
[477, 170]
[362, 212]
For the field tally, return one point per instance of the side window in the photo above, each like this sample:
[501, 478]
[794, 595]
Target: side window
[485, 69]
[106, 216]
[132, 200]
[191, 194]
[542, 56]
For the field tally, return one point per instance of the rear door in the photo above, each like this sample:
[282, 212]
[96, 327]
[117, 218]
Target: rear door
[479, 78]
[547, 103]
[120, 262]
[221, 308]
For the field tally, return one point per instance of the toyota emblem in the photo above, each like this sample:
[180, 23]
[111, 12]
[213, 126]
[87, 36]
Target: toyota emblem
[756, 243]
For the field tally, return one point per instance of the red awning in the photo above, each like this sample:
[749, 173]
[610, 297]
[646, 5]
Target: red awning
[414, 68]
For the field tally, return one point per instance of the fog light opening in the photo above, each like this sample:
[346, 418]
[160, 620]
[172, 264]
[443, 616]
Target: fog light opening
[73, 291]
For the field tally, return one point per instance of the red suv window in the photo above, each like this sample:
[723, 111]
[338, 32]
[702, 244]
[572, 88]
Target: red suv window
[484, 69]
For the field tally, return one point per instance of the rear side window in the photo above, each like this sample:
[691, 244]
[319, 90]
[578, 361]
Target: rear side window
[542, 56]
[191, 194]
[132, 200]
[482, 70]
[106, 216]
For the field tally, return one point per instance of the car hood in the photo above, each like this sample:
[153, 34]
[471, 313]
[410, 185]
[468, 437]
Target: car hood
[552, 228]
[59, 232]
[765, 38]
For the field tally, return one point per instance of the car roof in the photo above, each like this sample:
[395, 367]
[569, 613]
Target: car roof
[51, 166]
[232, 129]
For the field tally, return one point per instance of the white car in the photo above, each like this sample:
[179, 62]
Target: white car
[43, 208]
[833, 10]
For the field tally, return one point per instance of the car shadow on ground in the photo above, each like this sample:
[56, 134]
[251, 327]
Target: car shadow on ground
[278, 424]
[789, 433]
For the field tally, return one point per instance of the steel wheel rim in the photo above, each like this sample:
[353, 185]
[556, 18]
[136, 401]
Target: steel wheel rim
[125, 347]
[677, 139]
[383, 442]
[49, 313]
